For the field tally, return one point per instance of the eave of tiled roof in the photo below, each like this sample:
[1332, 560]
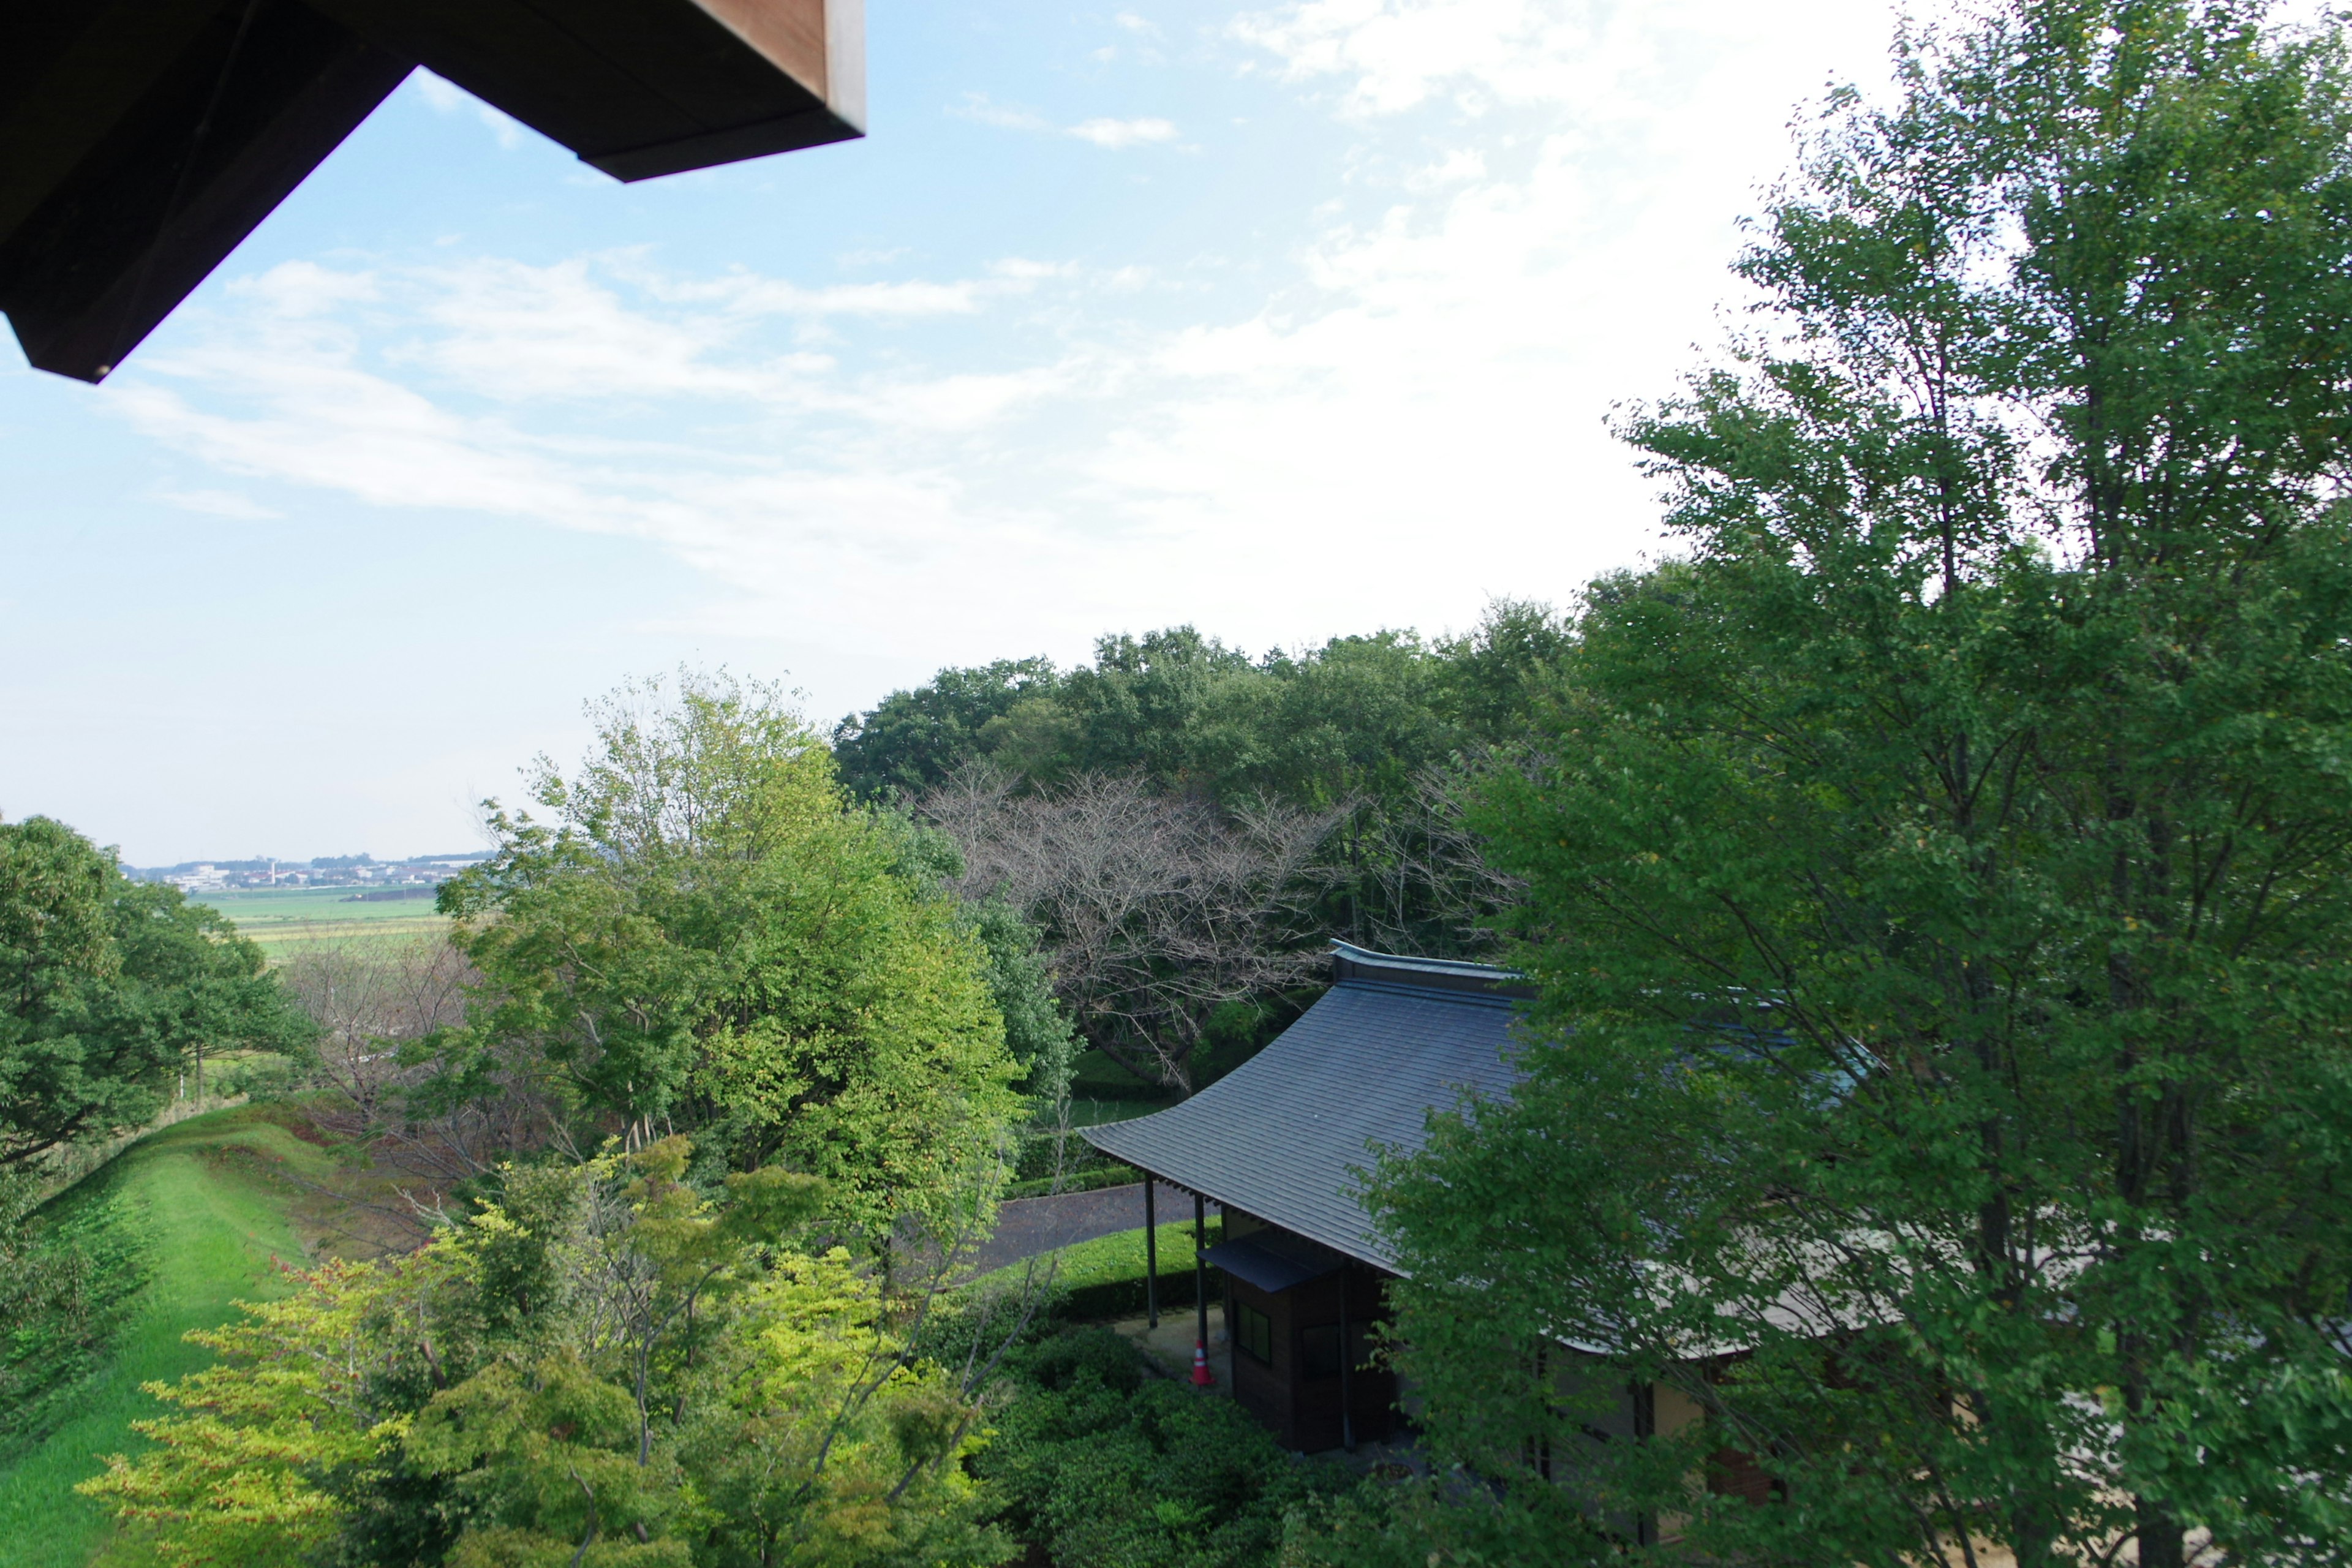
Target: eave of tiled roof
[1282, 1136]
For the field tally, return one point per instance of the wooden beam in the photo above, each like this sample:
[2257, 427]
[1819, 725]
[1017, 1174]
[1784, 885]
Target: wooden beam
[641, 87]
[146, 137]
[177, 160]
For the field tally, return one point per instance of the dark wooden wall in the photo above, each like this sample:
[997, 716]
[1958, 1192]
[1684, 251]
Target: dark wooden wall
[1302, 1410]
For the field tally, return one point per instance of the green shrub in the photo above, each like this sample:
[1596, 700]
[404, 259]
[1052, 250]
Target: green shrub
[262, 1075]
[1447, 1521]
[1077, 1179]
[1106, 1466]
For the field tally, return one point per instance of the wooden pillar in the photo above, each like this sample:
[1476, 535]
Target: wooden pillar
[1200, 1373]
[1150, 1256]
[1346, 1389]
[1225, 1299]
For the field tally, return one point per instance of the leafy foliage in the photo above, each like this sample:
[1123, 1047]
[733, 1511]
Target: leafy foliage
[608, 1368]
[1108, 1469]
[700, 935]
[1937, 883]
[1367, 727]
[109, 987]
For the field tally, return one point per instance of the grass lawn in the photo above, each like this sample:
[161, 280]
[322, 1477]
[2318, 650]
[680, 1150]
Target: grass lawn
[1101, 1091]
[283, 919]
[211, 1209]
[1110, 1260]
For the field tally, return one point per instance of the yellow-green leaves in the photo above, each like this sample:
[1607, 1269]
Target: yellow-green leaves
[234, 1478]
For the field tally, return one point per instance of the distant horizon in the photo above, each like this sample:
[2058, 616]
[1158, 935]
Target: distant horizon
[1284, 318]
[316, 862]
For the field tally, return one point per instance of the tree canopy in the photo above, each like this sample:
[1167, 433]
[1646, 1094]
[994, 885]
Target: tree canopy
[109, 987]
[699, 934]
[608, 1368]
[1937, 882]
[1186, 824]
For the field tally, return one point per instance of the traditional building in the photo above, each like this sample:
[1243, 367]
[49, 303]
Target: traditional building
[145, 138]
[1277, 1145]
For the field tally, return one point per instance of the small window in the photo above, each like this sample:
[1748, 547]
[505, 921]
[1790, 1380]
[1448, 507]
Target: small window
[1319, 1352]
[1254, 1333]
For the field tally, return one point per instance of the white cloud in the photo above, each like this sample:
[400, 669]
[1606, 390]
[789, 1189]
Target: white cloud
[1603, 59]
[1101, 130]
[445, 97]
[772, 296]
[1118, 133]
[1529, 222]
[1394, 53]
[979, 107]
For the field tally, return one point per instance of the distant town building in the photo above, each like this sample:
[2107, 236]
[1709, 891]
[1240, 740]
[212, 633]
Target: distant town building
[420, 873]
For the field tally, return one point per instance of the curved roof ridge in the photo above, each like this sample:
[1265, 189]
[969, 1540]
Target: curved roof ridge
[1283, 1135]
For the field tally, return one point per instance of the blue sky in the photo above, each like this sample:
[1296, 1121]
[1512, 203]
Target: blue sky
[1287, 320]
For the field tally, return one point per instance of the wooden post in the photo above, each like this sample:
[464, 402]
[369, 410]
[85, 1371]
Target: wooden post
[1346, 1392]
[1202, 1376]
[1150, 1258]
[1225, 1299]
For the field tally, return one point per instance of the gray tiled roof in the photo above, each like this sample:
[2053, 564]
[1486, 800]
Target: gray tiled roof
[1277, 1136]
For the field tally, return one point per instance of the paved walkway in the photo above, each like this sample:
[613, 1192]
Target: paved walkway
[1169, 1347]
[1028, 1226]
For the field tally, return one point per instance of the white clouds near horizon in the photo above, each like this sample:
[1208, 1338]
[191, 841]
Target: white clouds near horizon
[1530, 221]
[1289, 320]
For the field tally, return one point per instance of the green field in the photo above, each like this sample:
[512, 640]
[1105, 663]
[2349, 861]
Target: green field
[281, 918]
[210, 1205]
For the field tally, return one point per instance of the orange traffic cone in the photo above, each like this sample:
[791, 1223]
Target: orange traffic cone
[1201, 1377]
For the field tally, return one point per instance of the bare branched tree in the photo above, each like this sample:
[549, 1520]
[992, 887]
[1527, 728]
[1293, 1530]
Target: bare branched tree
[367, 996]
[1420, 880]
[1156, 908]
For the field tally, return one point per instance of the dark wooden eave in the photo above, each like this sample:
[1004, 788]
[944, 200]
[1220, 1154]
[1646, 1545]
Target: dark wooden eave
[141, 140]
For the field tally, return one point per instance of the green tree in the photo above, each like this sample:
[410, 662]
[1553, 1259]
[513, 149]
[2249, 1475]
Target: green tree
[912, 741]
[190, 987]
[610, 1369]
[1940, 885]
[109, 987]
[702, 935]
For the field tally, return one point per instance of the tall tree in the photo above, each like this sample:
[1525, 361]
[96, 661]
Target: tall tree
[109, 987]
[911, 740]
[699, 934]
[1940, 885]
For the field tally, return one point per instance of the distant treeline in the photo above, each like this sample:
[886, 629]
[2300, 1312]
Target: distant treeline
[1370, 728]
[318, 863]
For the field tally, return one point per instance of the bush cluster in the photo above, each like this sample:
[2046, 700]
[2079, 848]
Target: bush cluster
[1103, 1465]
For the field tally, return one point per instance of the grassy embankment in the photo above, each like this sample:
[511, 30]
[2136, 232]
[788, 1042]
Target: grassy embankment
[210, 1205]
[283, 920]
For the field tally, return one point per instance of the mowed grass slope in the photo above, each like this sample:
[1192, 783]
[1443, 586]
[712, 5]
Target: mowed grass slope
[209, 1198]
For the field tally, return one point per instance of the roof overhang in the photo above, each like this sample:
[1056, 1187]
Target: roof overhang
[146, 137]
[1286, 1136]
[1274, 1260]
